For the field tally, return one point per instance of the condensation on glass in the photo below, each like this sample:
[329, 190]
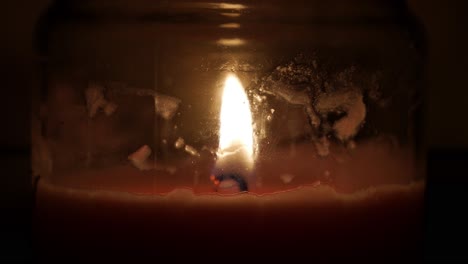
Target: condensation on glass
[132, 93]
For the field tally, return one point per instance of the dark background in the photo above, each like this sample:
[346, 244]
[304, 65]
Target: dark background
[446, 126]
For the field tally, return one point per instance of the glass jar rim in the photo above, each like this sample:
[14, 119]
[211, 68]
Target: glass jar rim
[245, 9]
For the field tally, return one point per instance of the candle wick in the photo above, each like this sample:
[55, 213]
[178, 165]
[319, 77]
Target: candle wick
[243, 187]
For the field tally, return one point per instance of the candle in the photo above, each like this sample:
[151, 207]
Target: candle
[146, 210]
[165, 130]
[294, 198]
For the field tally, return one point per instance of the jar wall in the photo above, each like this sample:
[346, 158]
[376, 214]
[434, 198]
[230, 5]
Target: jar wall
[131, 100]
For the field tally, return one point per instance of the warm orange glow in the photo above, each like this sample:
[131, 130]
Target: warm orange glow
[231, 14]
[231, 6]
[231, 41]
[230, 25]
[236, 130]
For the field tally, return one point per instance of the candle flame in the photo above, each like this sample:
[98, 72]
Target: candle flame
[235, 119]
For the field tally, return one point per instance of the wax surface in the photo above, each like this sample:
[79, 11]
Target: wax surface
[283, 169]
[315, 222]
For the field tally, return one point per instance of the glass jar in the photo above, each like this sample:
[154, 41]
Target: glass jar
[305, 112]
[315, 93]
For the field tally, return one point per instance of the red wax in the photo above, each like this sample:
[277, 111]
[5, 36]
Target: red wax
[315, 222]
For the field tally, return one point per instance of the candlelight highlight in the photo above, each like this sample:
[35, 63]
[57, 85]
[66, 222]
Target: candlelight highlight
[235, 118]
